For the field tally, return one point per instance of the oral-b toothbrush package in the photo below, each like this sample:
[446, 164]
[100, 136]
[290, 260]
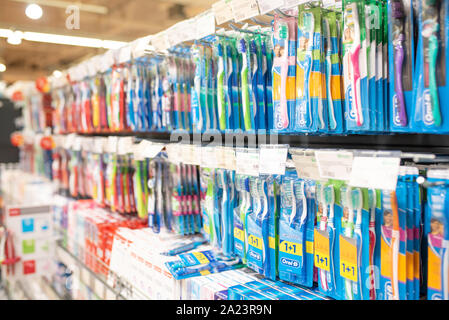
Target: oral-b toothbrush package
[258, 247]
[354, 244]
[332, 70]
[296, 225]
[430, 79]
[241, 212]
[200, 263]
[357, 116]
[284, 73]
[271, 271]
[401, 60]
[436, 231]
[310, 115]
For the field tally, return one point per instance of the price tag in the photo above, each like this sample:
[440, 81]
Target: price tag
[173, 152]
[222, 11]
[205, 24]
[208, 157]
[272, 159]
[269, 5]
[230, 159]
[306, 166]
[293, 3]
[77, 144]
[375, 172]
[348, 258]
[334, 164]
[247, 162]
[112, 144]
[125, 145]
[159, 41]
[321, 249]
[148, 149]
[244, 9]
[290, 247]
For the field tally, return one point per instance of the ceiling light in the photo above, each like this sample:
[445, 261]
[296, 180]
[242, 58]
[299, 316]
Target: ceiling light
[33, 11]
[15, 37]
[2, 67]
[57, 74]
[61, 39]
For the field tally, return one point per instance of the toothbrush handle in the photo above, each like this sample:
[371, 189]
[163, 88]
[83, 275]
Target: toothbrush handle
[356, 84]
[332, 121]
[283, 106]
[398, 63]
[394, 250]
[372, 244]
[433, 54]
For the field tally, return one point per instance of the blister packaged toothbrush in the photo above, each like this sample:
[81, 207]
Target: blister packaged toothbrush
[332, 71]
[273, 194]
[296, 222]
[257, 229]
[284, 73]
[354, 67]
[241, 212]
[247, 111]
[430, 79]
[310, 113]
[437, 234]
[401, 60]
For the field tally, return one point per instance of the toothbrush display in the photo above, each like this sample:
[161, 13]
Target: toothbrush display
[394, 251]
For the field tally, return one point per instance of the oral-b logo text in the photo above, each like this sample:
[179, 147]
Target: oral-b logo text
[290, 262]
[427, 103]
[352, 111]
[254, 255]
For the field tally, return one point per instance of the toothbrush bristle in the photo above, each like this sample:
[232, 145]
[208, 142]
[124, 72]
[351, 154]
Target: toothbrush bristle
[220, 49]
[397, 10]
[264, 48]
[252, 46]
[242, 46]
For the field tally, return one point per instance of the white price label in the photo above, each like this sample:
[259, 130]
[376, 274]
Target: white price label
[247, 162]
[306, 167]
[112, 144]
[77, 144]
[205, 25]
[230, 158]
[272, 159]
[173, 152]
[125, 145]
[195, 155]
[222, 11]
[334, 164]
[293, 3]
[159, 41]
[269, 5]
[148, 149]
[209, 157]
[244, 9]
[375, 172]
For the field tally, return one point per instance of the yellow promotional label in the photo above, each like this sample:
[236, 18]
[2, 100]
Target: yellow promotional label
[385, 257]
[309, 247]
[200, 257]
[272, 242]
[290, 87]
[434, 270]
[204, 272]
[402, 274]
[348, 259]
[238, 234]
[255, 242]
[321, 242]
[416, 264]
[290, 247]
[410, 266]
[336, 87]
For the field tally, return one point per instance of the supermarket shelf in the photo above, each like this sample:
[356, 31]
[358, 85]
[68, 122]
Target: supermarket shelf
[120, 290]
[96, 281]
[433, 143]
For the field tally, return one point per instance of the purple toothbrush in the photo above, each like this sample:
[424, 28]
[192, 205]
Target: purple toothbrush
[397, 12]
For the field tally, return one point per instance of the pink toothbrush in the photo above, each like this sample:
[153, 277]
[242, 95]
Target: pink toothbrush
[355, 62]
